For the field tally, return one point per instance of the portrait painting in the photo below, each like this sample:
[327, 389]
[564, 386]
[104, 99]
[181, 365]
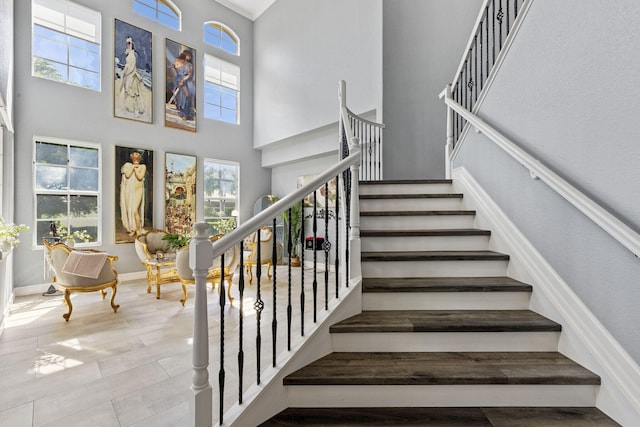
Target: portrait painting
[132, 75]
[134, 193]
[180, 193]
[180, 86]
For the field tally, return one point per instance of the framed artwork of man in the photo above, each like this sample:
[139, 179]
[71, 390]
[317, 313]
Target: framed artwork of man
[134, 193]
[132, 74]
[180, 193]
[180, 86]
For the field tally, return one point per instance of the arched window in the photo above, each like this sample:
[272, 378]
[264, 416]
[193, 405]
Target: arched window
[163, 11]
[221, 36]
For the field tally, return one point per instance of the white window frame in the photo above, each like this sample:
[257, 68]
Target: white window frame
[226, 75]
[37, 240]
[223, 29]
[73, 22]
[168, 3]
[206, 198]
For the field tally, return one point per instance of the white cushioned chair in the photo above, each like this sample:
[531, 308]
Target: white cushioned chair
[159, 270]
[105, 274]
[250, 258]
[231, 262]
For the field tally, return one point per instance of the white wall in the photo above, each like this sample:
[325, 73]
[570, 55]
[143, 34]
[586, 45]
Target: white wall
[569, 93]
[423, 44]
[48, 108]
[302, 49]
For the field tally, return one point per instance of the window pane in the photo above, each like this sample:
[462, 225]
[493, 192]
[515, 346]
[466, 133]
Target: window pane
[84, 78]
[84, 58]
[50, 49]
[149, 3]
[49, 70]
[211, 112]
[84, 179]
[84, 206]
[51, 206]
[82, 156]
[228, 116]
[51, 178]
[54, 154]
[229, 102]
[169, 21]
[144, 11]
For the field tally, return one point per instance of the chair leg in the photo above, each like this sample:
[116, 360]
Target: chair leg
[113, 298]
[103, 293]
[67, 299]
[250, 273]
[184, 292]
[229, 291]
[269, 271]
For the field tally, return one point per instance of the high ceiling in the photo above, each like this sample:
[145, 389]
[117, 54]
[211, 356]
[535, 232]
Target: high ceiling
[251, 9]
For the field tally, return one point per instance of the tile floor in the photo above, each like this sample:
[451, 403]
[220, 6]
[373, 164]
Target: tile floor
[131, 368]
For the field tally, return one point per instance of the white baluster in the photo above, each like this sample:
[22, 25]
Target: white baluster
[448, 148]
[200, 258]
[354, 237]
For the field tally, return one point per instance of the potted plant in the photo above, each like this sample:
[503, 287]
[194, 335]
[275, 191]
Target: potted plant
[9, 233]
[177, 241]
[69, 238]
[223, 225]
[296, 224]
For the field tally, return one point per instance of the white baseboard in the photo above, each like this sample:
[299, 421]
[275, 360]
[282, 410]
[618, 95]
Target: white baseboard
[583, 338]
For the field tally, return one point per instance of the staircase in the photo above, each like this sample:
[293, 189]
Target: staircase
[445, 337]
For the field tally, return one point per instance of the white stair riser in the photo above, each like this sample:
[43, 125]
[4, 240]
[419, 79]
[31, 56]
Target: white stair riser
[434, 268]
[425, 243]
[440, 395]
[445, 300]
[381, 205]
[405, 188]
[445, 341]
[417, 222]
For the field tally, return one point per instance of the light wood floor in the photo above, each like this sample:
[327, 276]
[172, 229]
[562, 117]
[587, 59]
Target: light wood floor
[131, 368]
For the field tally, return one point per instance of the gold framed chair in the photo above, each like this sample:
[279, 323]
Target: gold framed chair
[231, 262]
[159, 260]
[105, 274]
[250, 258]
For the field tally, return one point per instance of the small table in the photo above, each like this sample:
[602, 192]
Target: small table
[161, 271]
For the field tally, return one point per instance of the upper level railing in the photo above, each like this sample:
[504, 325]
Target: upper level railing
[370, 135]
[485, 49]
[494, 32]
[329, 202]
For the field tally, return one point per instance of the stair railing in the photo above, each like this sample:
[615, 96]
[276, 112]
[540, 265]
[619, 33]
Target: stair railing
[495, 28]
[608, 222]
[346, 269]
[370, 135]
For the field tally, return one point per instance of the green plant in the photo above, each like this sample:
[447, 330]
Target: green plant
[9, 232]
[223, 225]
[177, 241]
[82, 235]
[296, 224]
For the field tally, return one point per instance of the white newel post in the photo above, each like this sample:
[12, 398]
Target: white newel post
[200, 258]
[449, 144]
[354, 237]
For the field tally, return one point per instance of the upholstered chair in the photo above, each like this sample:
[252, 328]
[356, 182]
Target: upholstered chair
[84, 270]
[231, 262]
[250, 258]
[159, 260]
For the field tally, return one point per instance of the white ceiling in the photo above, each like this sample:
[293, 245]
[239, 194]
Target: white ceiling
[251, 9]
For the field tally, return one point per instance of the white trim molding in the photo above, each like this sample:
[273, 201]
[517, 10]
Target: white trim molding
[583, 338]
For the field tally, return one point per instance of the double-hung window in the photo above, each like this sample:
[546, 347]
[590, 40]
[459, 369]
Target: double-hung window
[221, 194]
[67, 188]
[221, 90]
[66, 43]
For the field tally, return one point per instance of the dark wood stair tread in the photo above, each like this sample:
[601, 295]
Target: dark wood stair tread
[433, 256]
[407, 181]
[441, 417]
[425, 233]
[446, 321]
[451, 368]
[411, 196]
[419, 213]
[443, 284]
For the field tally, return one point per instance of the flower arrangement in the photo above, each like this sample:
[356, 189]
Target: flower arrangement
[177, 241]
[9, 233]
[82, 235]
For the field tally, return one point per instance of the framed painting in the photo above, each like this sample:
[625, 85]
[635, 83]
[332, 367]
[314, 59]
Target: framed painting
[180, 86]
[132, 75]
[321, 194]
[180, 193]
[134, 193]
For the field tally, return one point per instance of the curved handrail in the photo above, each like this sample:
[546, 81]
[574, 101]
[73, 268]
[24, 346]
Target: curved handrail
[603, 218]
